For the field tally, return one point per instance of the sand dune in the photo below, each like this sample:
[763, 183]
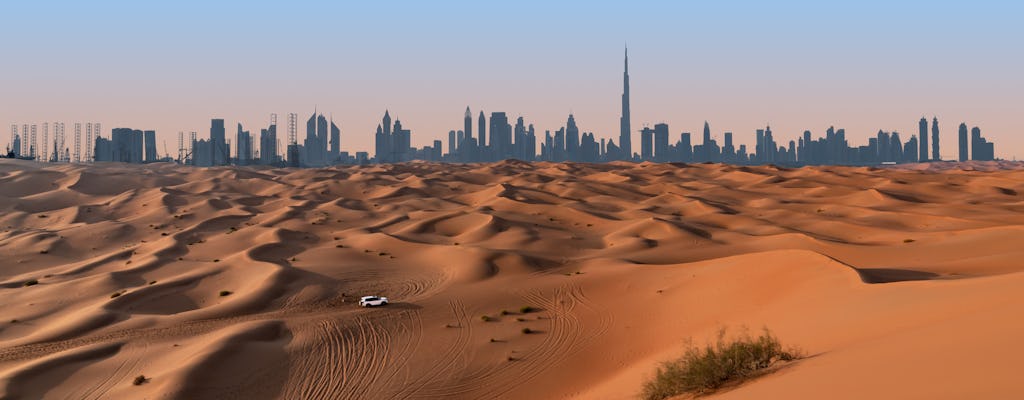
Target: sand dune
[241, 283]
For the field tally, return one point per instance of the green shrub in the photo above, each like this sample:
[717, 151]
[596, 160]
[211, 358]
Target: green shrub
[702, 370]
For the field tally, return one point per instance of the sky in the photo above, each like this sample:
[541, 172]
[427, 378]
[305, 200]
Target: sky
[740, 65]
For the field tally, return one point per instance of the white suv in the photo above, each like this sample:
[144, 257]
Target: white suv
[371, 301]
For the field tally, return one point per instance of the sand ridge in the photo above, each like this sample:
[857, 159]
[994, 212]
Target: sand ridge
[240, 282]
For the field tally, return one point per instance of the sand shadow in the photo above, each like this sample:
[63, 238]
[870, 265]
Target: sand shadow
[889, 275]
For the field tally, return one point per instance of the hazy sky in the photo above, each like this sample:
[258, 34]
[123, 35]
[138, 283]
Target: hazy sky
[797, 65]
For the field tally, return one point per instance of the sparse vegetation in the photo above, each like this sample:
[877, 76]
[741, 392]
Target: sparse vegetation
[702, 370]
[526, 309]
[486, 318]
[152, 282]
[527, 331]
[14, 321]
[505, 312]
[225, 293]
[216, 260]
[31, 282]
[139, 380]
[44, 251]
[115, 295]
[908, 240]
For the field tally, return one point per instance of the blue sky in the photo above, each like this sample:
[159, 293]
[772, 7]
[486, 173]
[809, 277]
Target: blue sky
[864, 66]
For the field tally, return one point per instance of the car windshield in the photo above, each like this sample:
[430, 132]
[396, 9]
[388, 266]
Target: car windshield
[370, 299]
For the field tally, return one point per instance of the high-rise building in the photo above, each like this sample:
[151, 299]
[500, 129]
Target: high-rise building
[661, 148]
[923, 134]
[268, 143]
[935, 140]
[243, 147]
[501, 136]
[150, 139]
[624, 131]
[646, 144]
[218, 144]
[482, 132]
[335, 152]
[467, 127]
[981, 149]
[962, 133]
[572, 139]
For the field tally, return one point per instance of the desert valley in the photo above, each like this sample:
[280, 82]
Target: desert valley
[507, 280]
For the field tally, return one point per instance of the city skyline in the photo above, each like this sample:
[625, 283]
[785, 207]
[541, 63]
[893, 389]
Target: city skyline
[844, 75]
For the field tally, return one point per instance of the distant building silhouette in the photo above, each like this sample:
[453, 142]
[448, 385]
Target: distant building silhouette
[935, 140]
[923, 134]
[962, 133]
[219, 150]
[981, 149]
[624, 131]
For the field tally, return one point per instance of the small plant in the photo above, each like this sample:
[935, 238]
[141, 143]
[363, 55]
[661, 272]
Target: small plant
[31, 282]
[139, 380]
[702, 370]
[521, 319]
[527, 331]
[44, 251]
[115, 295]
[505, 312]
[340, 246]
[225, 293]
[216, 260]
[486, 318]
[14, 321]
[493, 340]
[152, 282]
[526, 309]
[908, 240]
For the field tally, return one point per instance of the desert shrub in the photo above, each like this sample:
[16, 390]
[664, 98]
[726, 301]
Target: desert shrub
[139, 380]
[527, 331]
[702, 370]
[225, 293]
[908, 240]
[526, 309]
[505, 312]
[31, 282]
[115, 295]
[486, 318]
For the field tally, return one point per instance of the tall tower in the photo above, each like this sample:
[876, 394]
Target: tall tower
[78, 141]
[963, 142]
[89, 143]
[625, 142]
[935, 140]
[923, 134]
[482, 132]
[467, 128]
[46, 142]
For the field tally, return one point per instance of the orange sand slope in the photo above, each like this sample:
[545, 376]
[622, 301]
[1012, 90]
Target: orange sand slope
[898, 283]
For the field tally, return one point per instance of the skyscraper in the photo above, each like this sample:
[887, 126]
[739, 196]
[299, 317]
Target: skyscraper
[572, 139]
[625, 142]
[501, 136]
[935, 140]
[467, 128]
[150, 140]
[219, 151]
[482, 132]
[335, 151]
[661, 152]
[268, 143]
[923, 134]
[963, 142]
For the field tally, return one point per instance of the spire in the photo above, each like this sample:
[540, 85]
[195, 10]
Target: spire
[468, 114]
[386, 113]
[627, 60]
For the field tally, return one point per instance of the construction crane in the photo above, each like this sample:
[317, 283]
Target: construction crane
[167, 155]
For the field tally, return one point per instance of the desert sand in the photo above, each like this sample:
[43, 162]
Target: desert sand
[242, 282]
